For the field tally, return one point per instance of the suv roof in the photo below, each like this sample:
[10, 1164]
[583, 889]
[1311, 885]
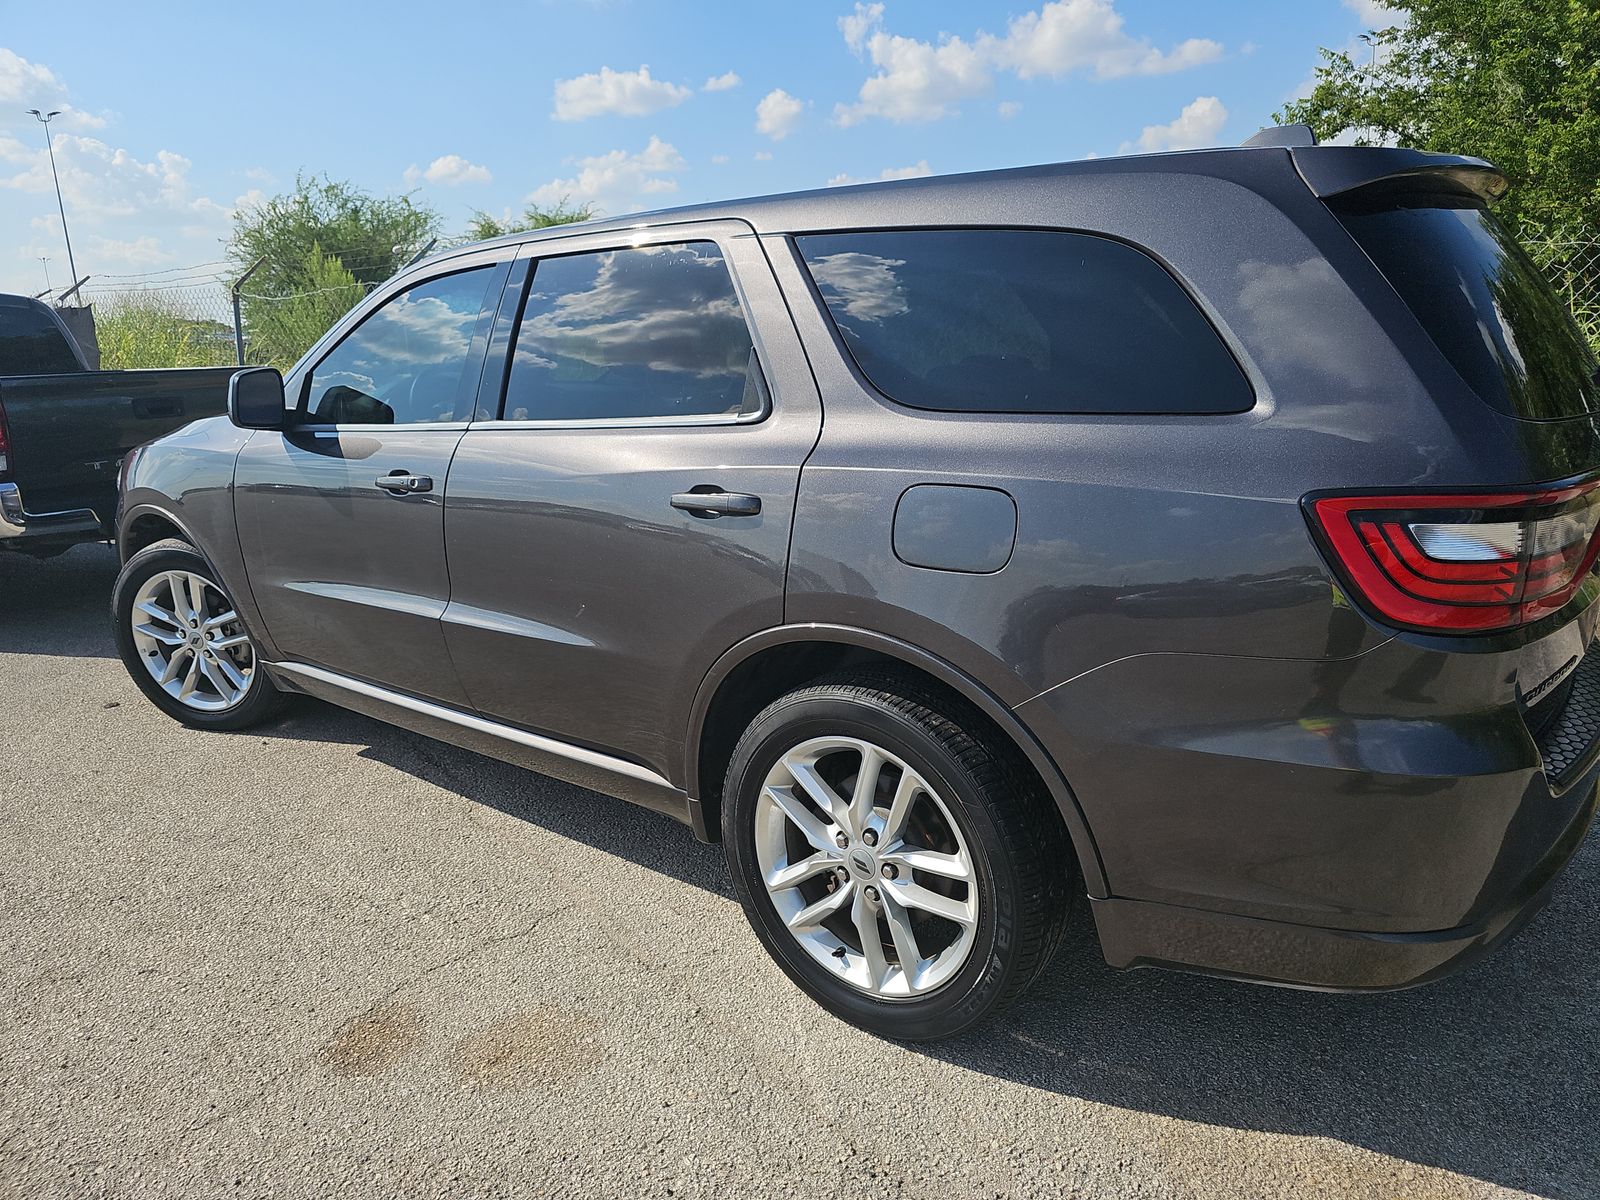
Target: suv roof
[1326, 171]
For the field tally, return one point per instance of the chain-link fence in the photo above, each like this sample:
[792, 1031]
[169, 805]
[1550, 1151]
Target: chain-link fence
[183, 316]
[1572, 261]
[152, 322]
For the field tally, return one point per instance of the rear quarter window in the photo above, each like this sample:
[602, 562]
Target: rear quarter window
[1010, 320]
[31, 343]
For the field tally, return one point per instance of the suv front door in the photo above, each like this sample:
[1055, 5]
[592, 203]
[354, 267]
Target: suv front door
[341, 517]
[627, 519]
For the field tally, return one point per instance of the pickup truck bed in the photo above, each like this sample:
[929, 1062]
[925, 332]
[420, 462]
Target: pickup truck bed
[67, 434]
[63, 434]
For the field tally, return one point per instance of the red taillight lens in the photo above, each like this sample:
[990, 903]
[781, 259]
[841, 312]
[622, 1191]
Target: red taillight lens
[5, 445]
[1464, 564]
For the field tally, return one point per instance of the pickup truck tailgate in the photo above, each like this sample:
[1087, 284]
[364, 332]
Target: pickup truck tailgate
[68, 432]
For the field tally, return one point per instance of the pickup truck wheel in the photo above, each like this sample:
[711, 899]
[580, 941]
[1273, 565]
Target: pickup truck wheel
[907, 875]
[183, 642]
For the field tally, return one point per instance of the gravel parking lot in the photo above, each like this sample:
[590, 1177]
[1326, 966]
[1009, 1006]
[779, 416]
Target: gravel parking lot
[333, 958]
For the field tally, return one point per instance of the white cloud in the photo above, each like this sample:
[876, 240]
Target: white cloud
[1197, 125]
[916, 81]
[127, 213]
[778, 114]
[617, 181]
[1088, 36]
[915, 171]
[26, 85]
[450, 170]
[1008, 109]
[719, 159]
[763, 156]
[1374, 14]
[858, 25]
[924, 81]
[721, 83]
[623, 93]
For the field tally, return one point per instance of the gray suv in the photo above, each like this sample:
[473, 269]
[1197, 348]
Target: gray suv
[1210, 535]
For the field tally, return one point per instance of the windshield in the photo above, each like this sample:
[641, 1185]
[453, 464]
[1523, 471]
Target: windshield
[1482, 299]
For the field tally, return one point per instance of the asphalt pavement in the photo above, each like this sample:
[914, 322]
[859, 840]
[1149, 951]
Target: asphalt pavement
[332, 958]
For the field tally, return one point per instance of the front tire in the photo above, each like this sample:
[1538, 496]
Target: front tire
[182, 641]
[905, 873]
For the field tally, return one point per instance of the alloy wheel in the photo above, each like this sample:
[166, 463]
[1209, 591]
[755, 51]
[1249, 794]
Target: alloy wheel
[866, 867]
[190, 639]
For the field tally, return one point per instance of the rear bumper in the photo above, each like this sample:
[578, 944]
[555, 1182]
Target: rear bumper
[18, 525]
[1136, 933]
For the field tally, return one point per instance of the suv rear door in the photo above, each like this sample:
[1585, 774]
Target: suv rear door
[341, 517]
[589, 595]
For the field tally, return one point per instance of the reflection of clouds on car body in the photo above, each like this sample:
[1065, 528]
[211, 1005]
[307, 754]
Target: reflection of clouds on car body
[636, 313]
[418, 329]
[865, 284]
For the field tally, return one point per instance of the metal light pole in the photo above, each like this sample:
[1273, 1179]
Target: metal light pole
[44, 119]
[45, 259]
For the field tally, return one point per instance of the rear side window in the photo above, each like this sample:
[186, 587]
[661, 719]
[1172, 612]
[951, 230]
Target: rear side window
[648, 332]
[1010, 320]
[31, 343]
[1481, 299]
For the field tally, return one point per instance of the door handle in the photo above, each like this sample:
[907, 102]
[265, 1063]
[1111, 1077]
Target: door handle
[717, 504]
[149, 408]
[401, 484]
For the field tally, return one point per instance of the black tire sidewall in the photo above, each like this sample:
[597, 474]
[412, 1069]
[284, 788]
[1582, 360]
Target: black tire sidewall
[262, 699]
[983, 980]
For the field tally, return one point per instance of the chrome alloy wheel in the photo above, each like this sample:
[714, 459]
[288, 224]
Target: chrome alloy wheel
[866, 867]
[190, 640]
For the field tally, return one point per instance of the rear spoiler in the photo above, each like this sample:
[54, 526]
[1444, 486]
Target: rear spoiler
[1339, 170]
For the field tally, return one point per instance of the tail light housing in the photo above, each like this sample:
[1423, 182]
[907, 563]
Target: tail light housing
[5, 444]
[1476, 563]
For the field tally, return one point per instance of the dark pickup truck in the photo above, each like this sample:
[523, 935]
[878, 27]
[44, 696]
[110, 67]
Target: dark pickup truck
[64, 428]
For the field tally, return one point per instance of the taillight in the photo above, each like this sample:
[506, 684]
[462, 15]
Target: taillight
[5, 444]
[1464, 564]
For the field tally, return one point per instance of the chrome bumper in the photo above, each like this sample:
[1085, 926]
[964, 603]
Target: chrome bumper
[17, 522]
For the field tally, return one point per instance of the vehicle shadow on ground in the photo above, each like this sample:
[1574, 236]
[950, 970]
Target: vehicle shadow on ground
[608, 824]
[58, 605]
[1490, 1074]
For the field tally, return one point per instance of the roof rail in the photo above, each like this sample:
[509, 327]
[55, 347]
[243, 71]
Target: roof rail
[1283, 135]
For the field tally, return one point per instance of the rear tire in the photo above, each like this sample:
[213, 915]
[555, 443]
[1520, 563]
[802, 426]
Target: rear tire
[953, 858]
[181, 639]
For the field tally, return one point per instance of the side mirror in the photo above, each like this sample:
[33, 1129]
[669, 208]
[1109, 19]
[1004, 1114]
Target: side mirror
[255, 399]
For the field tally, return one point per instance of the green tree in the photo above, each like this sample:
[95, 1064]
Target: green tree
[324, 245]
[282, 328]
[1513, 81]
[483, 226]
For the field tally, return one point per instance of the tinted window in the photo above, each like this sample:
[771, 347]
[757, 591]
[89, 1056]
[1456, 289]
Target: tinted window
[409, 361]
[31, 343]
[1002, 320]
[650, 332]
[1482, 300]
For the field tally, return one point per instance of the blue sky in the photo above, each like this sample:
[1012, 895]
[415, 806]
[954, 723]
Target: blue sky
[172, 122]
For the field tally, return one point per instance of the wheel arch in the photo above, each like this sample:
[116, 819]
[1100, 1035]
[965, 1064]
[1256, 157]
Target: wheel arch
[768, 664]
[145, 525]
